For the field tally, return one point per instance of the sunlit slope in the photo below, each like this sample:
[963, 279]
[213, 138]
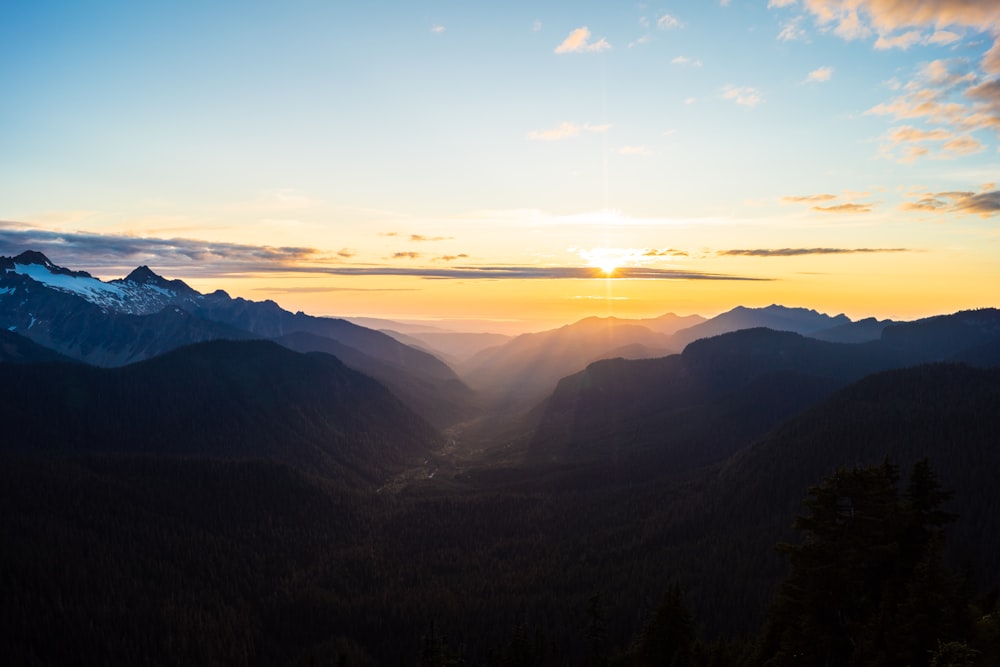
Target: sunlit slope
[526, 369]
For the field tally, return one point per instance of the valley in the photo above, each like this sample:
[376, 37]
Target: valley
[195, 478]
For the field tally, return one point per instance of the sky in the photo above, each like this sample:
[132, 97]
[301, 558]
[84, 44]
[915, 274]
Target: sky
[521, 163]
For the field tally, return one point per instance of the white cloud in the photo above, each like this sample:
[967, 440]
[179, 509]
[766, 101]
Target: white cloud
[536, 25]
[566, 130]
[779, 3]
[792, 31]
[668, 22]
[684, 60]
[743, 95]
[578, 41]
[437, 28]
[633, 150]
[819, 75]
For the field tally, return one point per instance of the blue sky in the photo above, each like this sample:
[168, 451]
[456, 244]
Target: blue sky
[422, 137]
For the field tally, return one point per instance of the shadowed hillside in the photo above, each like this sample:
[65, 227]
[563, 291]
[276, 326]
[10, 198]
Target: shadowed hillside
[230, 400]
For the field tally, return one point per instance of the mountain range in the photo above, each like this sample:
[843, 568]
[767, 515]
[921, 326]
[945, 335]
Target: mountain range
[145, 315]
[723, 392]
[191, 478]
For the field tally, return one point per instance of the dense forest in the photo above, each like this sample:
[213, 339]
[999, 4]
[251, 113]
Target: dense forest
[122, 557]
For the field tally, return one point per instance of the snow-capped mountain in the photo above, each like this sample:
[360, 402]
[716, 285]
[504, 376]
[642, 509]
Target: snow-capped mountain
[142, 292]
[143, 315]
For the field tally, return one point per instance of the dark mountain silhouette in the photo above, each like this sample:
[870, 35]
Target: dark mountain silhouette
[219, 400]
[862, 331]
[946, 413]
[779, 318]
[441, 401]
[943, 336]
[17, 349]
[722, 392]
[523, 371]
[683, 411]
[267, 319]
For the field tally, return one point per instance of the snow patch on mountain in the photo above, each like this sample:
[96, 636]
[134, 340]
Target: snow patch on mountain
[123, 296]
[91, 289]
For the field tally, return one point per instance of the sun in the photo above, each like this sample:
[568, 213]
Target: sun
[607, 260]
[607, 265]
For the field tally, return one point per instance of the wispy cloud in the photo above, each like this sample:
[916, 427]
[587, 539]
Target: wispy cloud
[820, 75]
[122, 252]
[668, 22]
[406, 255]
[634, 150]
[437, 28]
[516, 272]
[845, 208]
[449, 258]
[743, 95]
[663, 252]
[419, 238]
[346, 253]
[984, 203]
[536, 25]
[901, 41]
[684, 60]
[792, 30]
[323, 290]
[796, 252]
[808, 198]
[952, 96]
[860, 18]
[578, 41]
[566, 130]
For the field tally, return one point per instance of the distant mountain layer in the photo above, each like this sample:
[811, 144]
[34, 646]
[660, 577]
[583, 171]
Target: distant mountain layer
[691, 409]
[524, 370]
[779, 318]
[144, 315]
[220, 400]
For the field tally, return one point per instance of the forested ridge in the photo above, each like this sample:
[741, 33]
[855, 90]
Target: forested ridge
[122, 557]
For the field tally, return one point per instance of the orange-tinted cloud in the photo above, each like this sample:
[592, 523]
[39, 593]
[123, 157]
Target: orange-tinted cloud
[420, 237]
[796, 252]
[844, 208]
[578, 41]
[809, 198]
[984, 203]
